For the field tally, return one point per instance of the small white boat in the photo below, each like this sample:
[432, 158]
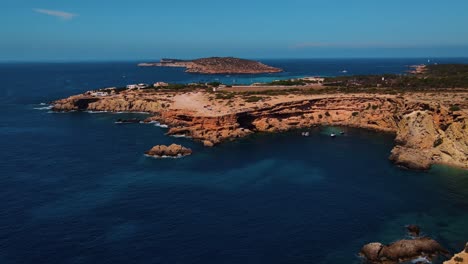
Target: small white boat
[305, 134]
[344, 71]
[332, 135]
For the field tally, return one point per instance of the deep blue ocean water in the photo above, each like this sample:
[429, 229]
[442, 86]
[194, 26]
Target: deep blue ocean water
[76, 188]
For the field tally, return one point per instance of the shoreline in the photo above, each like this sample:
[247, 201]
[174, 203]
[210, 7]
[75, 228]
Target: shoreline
[426, 131]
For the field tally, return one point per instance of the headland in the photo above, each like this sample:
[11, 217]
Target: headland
[429, 121]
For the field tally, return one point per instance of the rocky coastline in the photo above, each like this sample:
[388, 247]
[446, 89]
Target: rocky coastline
[427, 131]
[460, 258]
[417, 250]
[216, 65]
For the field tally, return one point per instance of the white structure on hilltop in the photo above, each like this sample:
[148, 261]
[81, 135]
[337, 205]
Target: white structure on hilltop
[160, 84]
[99, 93]
[314, 79]
[137, 86]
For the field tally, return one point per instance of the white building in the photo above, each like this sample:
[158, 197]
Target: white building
[99, 94]
[160, 84]
[313, 79]
[137, 86]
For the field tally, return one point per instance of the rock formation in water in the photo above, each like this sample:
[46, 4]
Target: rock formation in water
[217, 65]
[413, 230]
[418, 250]
[173, 151]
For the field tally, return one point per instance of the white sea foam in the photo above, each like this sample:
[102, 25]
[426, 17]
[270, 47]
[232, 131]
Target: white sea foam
[180, 136]
[165, 157]
[149, 122]
[96, 112]
[61, 112]
[44, 107]
[162, 126]
[420, 260]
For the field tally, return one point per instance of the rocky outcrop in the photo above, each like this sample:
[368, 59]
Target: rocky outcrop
[217, 65]
[127, 103]
[172, 151]
[402, 251]
[460, 258]
[428, 137]
[411, 158]
[210, 130]
[413, 230]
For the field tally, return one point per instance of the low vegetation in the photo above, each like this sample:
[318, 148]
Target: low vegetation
[454, 108]
[435, 76]
[252, 99]
[287, 83]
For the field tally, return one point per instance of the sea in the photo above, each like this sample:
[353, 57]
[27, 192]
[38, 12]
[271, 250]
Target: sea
[77, 188]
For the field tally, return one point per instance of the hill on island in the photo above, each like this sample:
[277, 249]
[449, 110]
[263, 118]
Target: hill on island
[217, 65]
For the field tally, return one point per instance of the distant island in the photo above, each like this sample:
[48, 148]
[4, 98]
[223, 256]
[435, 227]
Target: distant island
[216, 65]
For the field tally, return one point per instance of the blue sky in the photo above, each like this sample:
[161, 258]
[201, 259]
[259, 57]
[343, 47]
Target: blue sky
[150, 29]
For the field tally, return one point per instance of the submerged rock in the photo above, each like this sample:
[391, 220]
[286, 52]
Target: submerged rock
[420, 248]
[174, 150]
[413, 230]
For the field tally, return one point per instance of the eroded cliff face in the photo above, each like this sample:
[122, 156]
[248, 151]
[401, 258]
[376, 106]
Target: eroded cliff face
[208, 129]
[372, 113]
[428, 137]
[128, 103]
[426, 133]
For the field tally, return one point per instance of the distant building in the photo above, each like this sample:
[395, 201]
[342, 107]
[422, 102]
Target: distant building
[142, 86]
[160, 84]
[313, 79]
[99, 93]
[137, 86]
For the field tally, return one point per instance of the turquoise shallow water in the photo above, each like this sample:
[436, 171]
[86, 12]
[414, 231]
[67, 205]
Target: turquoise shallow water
[76, 188]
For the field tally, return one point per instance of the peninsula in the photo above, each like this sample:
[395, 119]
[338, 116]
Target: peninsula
[430, 122]
[216, 65]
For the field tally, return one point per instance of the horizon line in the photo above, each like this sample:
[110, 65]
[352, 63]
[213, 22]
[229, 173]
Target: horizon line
[250, 58]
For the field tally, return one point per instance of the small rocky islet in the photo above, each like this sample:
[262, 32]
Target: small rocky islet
[171, 151]
[216, 65]
[417, 250]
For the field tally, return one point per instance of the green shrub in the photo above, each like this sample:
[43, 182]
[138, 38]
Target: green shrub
[320, 116]
[374, 107]
[454, 108]
[286, 83]
[437, 142]
[355, 113]
[253, 99]
[327, 114]
[214, 84]
[224, 95]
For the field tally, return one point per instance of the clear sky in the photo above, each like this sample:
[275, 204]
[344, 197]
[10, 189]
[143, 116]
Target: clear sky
[151, 29]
